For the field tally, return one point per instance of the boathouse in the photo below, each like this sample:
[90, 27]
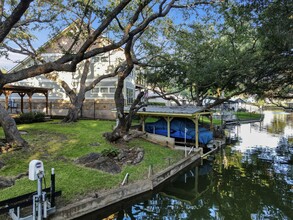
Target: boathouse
[183, 123]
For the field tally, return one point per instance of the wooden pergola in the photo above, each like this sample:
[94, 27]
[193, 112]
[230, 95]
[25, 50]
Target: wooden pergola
[168, 113]
[7, 90]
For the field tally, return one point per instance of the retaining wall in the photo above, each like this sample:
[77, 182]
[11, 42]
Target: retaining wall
[111, 197]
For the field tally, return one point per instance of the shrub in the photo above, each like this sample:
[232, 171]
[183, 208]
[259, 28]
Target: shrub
[39, 117]
[110, 152]
[241, 110]
[157, 103]
[30, 117]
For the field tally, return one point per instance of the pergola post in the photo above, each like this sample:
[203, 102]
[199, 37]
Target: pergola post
[47, 101]
[22, 91]
[30, 94]
[7, 94]
[21, 94]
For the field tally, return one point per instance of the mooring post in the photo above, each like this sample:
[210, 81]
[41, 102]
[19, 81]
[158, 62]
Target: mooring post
[150, 171]
[52, 188]
[125, 180]
[191, 150]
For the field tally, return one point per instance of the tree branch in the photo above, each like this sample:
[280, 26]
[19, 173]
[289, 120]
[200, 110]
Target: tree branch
[9, 23]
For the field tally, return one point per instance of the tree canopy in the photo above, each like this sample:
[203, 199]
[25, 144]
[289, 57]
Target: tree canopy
[240, 48]
[26, 23]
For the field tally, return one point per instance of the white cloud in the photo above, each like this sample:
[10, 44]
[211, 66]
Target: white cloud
[13, 59]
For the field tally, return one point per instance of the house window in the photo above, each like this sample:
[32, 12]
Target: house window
[96, 59]
[104, 59]
[112, 89]
[129, 95]
[95, 90]
[104, 89]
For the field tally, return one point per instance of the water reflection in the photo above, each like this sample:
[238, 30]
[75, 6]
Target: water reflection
[251, 179]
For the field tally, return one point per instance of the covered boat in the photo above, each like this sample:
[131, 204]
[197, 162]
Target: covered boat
[180, 129]
[177, 122]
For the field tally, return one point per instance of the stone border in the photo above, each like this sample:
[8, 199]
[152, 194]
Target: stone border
[111, 197]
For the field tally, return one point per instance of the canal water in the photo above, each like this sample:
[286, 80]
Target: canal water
[249, 179]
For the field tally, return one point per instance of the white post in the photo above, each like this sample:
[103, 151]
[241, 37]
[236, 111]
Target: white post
[40, 199]
[185, 131]
[125, 180]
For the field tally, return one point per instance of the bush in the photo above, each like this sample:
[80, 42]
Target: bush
[241, 110]
[110, 152]
[157, 103]
[30, 117]
[39, 117]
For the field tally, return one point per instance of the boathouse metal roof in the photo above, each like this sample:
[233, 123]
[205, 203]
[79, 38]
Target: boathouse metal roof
[178, 111]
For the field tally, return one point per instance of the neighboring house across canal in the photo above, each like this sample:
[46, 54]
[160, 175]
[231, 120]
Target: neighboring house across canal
[98, 101]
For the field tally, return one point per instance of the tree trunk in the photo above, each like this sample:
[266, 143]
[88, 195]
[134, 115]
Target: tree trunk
[72, 115]
[11, 132]
[75, 108]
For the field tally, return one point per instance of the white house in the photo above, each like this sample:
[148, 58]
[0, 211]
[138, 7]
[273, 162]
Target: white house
[98, 101]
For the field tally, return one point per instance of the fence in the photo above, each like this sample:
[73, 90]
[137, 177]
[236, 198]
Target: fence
[93, 109]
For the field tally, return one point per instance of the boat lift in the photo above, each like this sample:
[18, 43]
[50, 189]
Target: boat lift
[42, 201]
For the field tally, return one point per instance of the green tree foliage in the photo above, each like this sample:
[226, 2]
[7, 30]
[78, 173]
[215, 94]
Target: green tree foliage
[123, 21]
[241, 48]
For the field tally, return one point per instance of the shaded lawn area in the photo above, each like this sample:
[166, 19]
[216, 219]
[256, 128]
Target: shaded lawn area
[58, 145]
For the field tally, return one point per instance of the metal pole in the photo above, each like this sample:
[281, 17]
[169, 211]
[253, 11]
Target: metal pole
[40, 199]
[185, 130]
[52, 189]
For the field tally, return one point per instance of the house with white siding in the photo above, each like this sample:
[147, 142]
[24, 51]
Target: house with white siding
[99, 101]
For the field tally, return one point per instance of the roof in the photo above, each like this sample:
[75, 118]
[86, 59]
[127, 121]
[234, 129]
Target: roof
[177, 111]
[25, 89]
[52, 44]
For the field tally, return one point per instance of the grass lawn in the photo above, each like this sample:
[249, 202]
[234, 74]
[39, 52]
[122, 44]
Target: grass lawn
[58, 145]
[248, 116]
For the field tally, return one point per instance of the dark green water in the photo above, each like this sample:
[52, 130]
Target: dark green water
[251, 179]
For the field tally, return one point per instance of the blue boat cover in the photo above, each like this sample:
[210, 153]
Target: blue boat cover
[178, 128]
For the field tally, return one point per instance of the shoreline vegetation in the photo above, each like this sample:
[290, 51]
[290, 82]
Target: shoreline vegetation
[59, 145]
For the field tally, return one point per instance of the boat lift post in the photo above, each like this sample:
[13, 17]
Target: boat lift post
[41, 206]
[185, 148]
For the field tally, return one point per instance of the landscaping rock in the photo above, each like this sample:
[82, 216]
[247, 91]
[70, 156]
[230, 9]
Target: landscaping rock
[105, 164]
[88, 158]
[110, 164]
[5, 182]
[97, 161]
[139, 156]
[122, 155]
[23, 132]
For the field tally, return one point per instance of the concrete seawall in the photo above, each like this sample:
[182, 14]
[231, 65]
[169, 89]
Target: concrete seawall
[110, 197]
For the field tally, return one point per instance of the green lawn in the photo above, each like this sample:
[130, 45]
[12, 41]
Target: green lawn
[58, 145]
[248, 116]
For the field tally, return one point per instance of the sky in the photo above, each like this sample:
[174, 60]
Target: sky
[7, 64]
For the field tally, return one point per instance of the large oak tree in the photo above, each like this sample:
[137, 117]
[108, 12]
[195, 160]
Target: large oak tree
[21, 20]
